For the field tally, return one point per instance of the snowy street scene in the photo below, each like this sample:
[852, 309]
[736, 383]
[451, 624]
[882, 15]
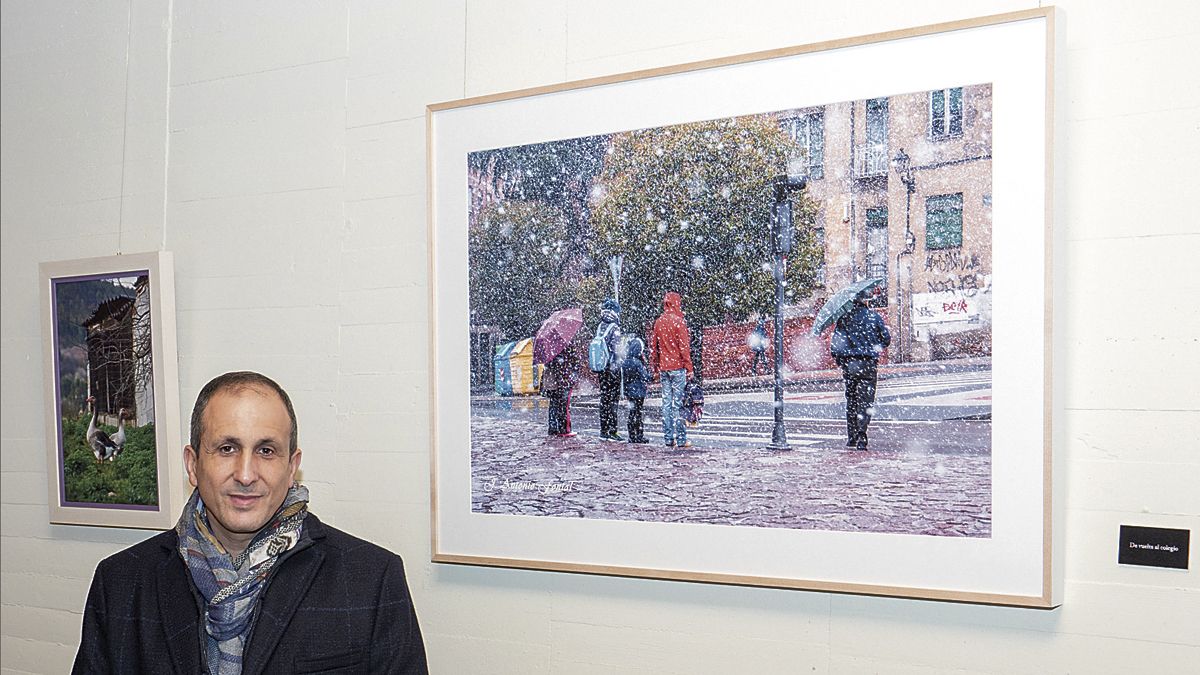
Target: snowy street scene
[929, 471]
[775, 320]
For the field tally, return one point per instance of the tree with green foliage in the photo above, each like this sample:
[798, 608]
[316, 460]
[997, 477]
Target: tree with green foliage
[689, 208]
[518, 254]
[558, 173]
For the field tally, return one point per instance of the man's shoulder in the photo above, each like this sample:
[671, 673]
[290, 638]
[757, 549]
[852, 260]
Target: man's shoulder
[345, 545]
[145, 556]
[668, 319]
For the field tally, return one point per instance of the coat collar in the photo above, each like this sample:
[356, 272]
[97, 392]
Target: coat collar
[279, 601]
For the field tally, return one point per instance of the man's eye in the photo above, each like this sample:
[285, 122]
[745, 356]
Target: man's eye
[226, 449]
[266, 451]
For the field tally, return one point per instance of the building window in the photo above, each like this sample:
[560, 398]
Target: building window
[943, 221]
[872, 156]
[809, 132]
[877, 251]
[945, 112]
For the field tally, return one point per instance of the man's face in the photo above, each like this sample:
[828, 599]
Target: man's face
[242, 468]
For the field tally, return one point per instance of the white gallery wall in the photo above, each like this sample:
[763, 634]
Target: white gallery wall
[277, 148]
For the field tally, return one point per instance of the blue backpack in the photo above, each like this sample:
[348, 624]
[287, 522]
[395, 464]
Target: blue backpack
[598, 354]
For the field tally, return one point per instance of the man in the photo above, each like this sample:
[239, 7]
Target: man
[671, 358]
[249, 581]
[858, 339]
[609, 377]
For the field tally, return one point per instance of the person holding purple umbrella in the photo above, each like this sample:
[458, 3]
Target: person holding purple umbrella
[557, 345]
[559, 378]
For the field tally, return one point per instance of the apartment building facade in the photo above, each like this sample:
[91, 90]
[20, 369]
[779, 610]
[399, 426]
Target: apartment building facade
[904, 188]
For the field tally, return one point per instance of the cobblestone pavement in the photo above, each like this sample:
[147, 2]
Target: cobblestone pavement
[916, 479]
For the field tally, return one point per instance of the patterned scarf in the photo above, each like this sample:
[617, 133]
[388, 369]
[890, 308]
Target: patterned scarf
[231, 585]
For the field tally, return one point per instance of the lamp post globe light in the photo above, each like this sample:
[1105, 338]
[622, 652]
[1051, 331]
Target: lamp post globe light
[903, 166]
[782, 239]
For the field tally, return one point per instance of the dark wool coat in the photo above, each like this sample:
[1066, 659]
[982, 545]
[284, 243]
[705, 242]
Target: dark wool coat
[859, 334]
[634, 371]
[334, 603]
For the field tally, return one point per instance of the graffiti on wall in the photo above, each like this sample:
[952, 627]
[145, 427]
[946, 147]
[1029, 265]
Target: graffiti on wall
[962, 270]
[951, 261]
[948, 306]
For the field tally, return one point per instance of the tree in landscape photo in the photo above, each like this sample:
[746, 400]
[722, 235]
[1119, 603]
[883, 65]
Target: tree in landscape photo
[689, 208]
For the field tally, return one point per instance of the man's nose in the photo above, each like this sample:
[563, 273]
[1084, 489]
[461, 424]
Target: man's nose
[245, 473]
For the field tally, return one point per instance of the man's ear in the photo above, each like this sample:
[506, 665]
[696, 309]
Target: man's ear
[190, 457]
[294, 463]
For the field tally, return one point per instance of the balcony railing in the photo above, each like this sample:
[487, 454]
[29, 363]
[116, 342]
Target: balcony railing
[871, 160]
[879, 271]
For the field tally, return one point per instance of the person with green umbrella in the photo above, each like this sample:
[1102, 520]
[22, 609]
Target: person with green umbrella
[859, 337]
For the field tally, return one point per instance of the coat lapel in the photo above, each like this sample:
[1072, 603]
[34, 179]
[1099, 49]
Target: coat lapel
[280, 599]
[177, 607]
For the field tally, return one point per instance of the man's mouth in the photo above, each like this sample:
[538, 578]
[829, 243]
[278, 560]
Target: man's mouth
[243, 501]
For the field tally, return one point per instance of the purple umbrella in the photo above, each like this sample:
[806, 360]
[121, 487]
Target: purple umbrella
[556, 333]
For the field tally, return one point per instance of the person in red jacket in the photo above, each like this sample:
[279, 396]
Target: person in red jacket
[671, 358]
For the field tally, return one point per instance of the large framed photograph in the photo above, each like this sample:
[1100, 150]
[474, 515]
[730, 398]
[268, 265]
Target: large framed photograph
[112, 396]
[780, 319]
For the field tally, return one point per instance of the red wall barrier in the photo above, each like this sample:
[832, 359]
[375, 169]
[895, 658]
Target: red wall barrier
[727, 348]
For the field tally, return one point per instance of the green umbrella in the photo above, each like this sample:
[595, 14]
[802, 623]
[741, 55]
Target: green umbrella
[840, 303]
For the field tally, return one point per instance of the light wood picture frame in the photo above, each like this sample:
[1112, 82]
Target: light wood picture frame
[113, 451]
[505, 494]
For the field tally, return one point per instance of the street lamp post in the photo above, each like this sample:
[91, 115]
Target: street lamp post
[614, 266]
[782, 236]
[903, 165]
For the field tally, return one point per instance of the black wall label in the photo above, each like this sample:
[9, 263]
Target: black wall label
[1154, 547]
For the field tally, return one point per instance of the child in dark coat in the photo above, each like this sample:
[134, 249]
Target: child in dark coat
[636, 376]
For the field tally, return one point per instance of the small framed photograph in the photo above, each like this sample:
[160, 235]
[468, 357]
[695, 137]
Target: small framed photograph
[113, 454]
[747, 218]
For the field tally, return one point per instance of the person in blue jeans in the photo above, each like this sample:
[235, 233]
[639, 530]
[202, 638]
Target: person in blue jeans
[671, 357]
[674, 429]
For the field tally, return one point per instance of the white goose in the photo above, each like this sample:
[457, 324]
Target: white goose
[118, 438]
[103, 447]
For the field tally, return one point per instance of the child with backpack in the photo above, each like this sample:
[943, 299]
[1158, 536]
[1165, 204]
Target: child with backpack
[637, 378]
